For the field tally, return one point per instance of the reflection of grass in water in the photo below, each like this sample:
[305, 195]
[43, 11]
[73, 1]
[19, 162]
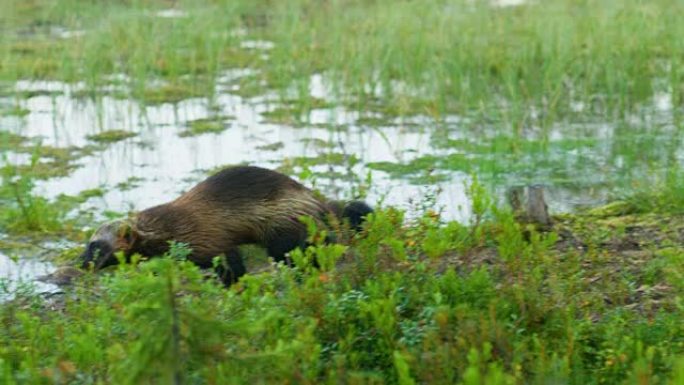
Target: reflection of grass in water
[634, 158]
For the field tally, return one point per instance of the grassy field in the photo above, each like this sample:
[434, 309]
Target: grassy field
[414, 56]
[579, 95]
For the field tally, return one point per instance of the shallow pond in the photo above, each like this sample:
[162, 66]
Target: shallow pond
[162, 160]
[142, 155]
[580, 163]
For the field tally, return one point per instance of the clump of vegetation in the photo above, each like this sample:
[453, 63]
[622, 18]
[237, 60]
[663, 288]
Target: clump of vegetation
[409, 301]
[212, 125]
[14, 111]
[46, 161]
[275, 146]
[111, 136]
[130, 183]
[11, 141]
[23, 211]
[295, 112]
[171, 93]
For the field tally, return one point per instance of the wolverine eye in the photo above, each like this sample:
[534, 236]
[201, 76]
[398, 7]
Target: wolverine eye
[98, 252]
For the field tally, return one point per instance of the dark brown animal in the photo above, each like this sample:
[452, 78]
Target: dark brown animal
[238, 205]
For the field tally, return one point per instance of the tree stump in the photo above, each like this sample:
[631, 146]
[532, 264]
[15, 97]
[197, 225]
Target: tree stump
[529, 205]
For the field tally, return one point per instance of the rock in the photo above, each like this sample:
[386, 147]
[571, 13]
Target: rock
[63, 276]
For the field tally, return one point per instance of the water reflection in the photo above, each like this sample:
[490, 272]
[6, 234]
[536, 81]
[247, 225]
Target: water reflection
[580, 162]
[168, 163]
[14, 273]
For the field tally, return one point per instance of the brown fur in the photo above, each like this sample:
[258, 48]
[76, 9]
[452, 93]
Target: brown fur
[212, 230]
[239, 205]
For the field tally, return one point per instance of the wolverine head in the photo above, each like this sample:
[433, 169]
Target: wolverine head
[110, 238]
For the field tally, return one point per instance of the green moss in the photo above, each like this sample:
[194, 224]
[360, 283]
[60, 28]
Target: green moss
[213, 125]
[47, 170]
[418, 165]
[330, 158]
[612, 209]
[51, 161]
[294, 112]
[171, 93]
[284, 115]
[271, 147]
[369, 121]
[247, 86]
[95, 94]
[111, 136]
[318, 143]
[28, 94]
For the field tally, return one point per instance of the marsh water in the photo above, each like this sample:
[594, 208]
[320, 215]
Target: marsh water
[410, 162]
[159, 163]
[15, 272]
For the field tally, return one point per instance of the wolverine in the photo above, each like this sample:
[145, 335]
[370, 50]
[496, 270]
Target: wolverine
[236, 206]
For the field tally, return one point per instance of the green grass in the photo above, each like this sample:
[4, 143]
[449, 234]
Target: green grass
[419, 57]
[596, 301]
[419, 302]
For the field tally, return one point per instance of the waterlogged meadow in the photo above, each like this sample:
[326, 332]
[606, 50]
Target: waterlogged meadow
[429, 110]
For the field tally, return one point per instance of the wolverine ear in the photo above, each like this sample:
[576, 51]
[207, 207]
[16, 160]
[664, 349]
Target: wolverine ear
[127, 235]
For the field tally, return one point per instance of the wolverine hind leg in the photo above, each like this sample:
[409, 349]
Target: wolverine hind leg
[283, 241]
[231, 267]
